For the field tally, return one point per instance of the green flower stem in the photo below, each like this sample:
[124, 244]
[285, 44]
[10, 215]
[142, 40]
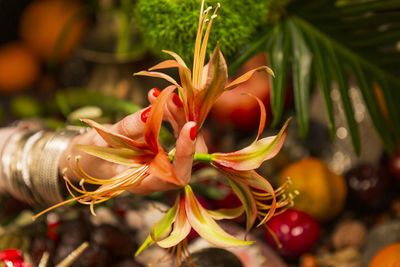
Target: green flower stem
[198, 157]
[202, 157]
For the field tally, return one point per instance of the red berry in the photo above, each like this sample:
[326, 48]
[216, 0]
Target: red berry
[11, 255]
[297, 231]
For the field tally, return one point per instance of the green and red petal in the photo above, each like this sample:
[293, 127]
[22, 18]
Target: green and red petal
[180, 230]
[122, 156]
[251, 157]
[256, 181]
[205, 226]
[162, 228]
[114, 139]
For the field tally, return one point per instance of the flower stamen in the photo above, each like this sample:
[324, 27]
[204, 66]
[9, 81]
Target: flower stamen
[201, 43]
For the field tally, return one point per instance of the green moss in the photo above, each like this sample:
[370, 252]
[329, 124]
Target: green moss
[172, 24]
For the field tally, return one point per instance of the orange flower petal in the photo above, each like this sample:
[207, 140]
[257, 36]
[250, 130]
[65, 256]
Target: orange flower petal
[217, 75]
[162, 168]
[245, 77]
[153, 123]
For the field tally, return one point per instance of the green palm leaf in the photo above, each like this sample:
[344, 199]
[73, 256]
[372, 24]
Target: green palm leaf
[332, 40]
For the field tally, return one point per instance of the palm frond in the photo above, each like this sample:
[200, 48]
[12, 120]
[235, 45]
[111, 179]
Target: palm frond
[332, 40]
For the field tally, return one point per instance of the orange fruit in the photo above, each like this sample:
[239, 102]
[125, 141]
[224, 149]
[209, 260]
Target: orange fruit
[52, 28]
[19, 67]
[389, 256]
[322, 193]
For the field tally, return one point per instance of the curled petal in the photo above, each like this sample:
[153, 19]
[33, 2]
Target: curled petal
[166, 64]
[180, 231]
[205, 226]
[114, 139]
[251, 157]
[186, 90]
[254, 180]
[222, 214]
[263, 115]
[162, 228]
[244, 194]
[157, 75]
[178, 59]
[245, 77]
[217, 75]
[122, 156]
[153, 123]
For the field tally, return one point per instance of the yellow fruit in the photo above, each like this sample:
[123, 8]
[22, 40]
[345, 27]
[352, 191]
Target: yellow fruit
[19, 68]
[44, 23]
[322, 192]
[387, 257]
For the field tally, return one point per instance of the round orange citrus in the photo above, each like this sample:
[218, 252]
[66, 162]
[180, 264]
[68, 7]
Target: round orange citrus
[19, 67]
[53, 28]
[389, 256]
[322, 193]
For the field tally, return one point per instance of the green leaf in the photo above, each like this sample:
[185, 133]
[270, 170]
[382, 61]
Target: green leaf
[368, 6]
[324, 81]
[341, 78]
[278, 54]
[302, 59]
[250, 51]
[375, 38]
[392, 103]
[373, 107]
[388, 82]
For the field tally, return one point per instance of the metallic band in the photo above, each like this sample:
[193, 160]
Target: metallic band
[30, 164]
[12, 166]
[45, 174]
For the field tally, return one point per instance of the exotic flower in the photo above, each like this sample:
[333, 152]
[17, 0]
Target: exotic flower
[171, 231]
[200, 88]
[141, 158]
[254, 191]
[198, 91]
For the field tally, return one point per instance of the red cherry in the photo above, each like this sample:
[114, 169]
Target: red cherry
[11, 255]
[297, 231]
[13, 258]
[370, 187]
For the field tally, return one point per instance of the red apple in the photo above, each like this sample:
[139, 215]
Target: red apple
[297, 231]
